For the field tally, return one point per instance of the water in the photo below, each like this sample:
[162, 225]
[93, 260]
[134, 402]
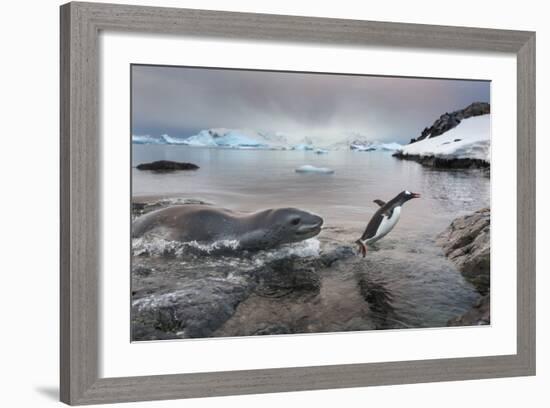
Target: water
[405, 281]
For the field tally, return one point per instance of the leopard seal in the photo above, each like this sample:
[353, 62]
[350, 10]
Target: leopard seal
[206, 224]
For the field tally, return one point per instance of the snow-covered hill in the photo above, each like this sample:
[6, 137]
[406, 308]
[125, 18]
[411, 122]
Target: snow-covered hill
[469, 140]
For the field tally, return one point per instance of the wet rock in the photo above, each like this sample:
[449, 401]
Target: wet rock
[480, 314]
[337, 254]
[269, 329]
[195, 310]
[167, 165]
[376, 295]
[172, 300]
[467, 243]
[444, 163]
[141, 271]
[288, 275]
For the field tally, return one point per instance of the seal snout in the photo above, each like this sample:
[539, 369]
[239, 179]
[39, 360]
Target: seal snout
[311, 225]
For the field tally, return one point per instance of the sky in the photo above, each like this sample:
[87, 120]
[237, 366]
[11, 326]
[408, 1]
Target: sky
[181, 101]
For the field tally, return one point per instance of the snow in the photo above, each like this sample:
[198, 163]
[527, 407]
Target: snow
[389, 146]
[469, 140]
[307, 168]
[374, 146]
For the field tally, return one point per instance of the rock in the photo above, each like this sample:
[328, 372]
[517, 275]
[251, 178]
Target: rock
[480, 314]
[195, 310]
[284, 276]
[167, 165]
[267, 329]
[444, 163]
[376, 295]
[448, 121]
[336, 254]
[466, 242]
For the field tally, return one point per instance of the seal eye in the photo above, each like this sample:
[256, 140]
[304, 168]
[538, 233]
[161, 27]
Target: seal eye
[295, 221]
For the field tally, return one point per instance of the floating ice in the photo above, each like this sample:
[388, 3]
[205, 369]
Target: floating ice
[307, 168]
[303, 147]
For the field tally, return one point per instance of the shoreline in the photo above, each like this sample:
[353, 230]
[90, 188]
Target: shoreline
[444, 163]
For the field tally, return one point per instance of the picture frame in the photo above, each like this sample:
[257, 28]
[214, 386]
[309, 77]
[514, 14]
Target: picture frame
[81, 24]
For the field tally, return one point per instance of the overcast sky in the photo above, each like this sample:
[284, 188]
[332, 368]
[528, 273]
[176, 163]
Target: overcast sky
[181, 101]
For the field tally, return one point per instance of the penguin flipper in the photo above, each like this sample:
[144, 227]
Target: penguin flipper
[380, 202]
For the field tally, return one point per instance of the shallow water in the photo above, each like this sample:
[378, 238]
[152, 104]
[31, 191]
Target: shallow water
[405, 281]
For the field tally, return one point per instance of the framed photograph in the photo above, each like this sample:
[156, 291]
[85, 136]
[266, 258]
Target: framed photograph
[260, 203]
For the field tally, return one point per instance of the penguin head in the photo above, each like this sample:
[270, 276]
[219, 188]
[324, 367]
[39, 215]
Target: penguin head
[407, 195]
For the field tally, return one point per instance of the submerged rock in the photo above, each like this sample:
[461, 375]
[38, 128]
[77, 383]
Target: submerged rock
[480, 314]
[167, 165]
[467, 243]
[284, 276]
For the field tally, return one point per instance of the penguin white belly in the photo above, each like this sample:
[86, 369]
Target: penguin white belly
[386, 225]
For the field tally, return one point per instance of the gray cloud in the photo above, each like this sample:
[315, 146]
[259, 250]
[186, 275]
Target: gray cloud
[180, 101]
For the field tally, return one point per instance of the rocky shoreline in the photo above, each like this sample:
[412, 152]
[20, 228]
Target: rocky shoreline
[458, 149]
[444, 163]
[466, 242]
[201, 305]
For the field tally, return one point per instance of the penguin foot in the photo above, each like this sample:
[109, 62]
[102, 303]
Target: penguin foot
[362, 247]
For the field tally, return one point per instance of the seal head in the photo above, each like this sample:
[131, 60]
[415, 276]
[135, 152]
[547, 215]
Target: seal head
[281, 226]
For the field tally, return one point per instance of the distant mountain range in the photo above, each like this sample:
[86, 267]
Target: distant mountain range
[251, 139]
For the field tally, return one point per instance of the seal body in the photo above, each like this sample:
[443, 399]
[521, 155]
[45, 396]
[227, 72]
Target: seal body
[205, 224]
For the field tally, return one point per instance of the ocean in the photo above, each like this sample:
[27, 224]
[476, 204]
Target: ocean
[405, 281]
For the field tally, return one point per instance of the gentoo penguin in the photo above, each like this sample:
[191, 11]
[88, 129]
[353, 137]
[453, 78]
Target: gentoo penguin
[383, 220]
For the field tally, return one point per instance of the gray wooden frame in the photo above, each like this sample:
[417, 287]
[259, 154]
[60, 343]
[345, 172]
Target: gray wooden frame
[80, 26]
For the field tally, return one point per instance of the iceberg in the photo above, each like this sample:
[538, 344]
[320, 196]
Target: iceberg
[172, 140]
[229, 138]
[303, 147]
[307, 168]
[146, 139]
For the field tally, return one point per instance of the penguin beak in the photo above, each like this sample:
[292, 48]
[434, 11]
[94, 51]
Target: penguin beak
[415, 195]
